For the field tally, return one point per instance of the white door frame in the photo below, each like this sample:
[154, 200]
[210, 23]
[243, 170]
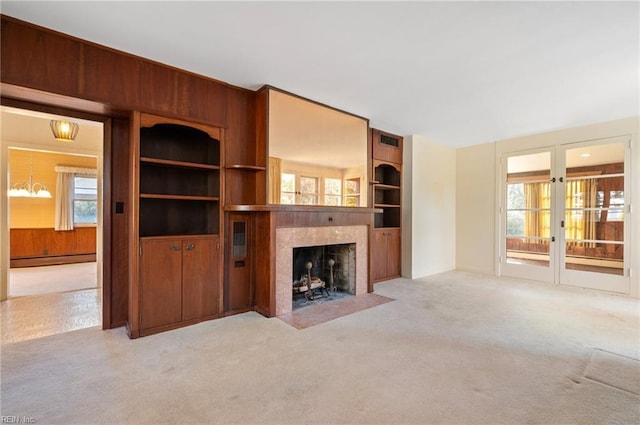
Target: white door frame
[557, 272]
[588, 279]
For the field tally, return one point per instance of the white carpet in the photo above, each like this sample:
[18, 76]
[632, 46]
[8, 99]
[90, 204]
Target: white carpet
[48, 279]
[614, 370]
[456, 348]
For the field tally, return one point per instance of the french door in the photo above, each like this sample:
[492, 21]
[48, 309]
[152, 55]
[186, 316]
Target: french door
[564, 214]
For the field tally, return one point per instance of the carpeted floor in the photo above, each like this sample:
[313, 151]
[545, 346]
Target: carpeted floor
[456, 348]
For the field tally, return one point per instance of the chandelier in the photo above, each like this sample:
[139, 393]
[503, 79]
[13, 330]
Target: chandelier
[29, 189]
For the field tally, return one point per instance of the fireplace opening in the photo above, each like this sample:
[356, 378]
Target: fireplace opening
[323, 273]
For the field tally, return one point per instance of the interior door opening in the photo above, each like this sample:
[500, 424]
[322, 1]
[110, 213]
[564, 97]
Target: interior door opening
[563, 214]
[55, 274]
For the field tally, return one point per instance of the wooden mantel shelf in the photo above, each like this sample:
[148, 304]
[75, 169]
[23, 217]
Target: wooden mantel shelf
[301, 209]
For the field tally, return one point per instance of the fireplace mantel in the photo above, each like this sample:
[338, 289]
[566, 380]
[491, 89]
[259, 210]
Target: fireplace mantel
[315, 209]
[268, 221]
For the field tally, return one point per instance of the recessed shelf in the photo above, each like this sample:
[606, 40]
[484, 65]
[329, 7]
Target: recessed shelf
[242, 167]
[179, 197]
[386, 206]
[179, 181]
[181, 164]
[387, 187]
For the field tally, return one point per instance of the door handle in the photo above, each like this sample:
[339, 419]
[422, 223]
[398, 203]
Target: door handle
[190, 246]
[174, 247]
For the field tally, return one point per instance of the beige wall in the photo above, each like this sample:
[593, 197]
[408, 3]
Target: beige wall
[429, 207]
[36, 212]
[475, 208]
[477, 187]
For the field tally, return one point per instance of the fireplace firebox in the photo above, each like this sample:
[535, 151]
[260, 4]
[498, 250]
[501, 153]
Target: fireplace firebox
[323, 272]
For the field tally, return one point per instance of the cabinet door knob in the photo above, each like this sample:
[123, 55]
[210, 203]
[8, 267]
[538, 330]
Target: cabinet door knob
[174, 247]
[191, 246]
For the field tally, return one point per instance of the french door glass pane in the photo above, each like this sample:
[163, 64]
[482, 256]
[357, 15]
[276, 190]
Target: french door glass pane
[528, 209]
[332, 191]
[287, 188]
[594, 208]
[308, 190]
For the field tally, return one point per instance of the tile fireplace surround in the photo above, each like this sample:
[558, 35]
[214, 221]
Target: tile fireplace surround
[288, 238]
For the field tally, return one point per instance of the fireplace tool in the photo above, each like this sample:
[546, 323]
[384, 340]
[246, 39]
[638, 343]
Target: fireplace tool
[314, 283]
[331, 263]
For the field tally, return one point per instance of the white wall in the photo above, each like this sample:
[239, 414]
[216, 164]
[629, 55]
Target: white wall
[477, 171]
[429, 207]
[475, 208]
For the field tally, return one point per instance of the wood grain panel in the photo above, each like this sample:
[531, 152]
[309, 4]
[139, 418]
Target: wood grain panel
[160, 283]
[120, 222]
[264, 229]
[240, 148]
[379, 255]
[32, 243]
[159, 89]
[238, 282]
[110, 77]
[393, 253]
[36, 58]
[385, 152]
[241, 136]
[201, 99]
[199, 278]
[262, 143]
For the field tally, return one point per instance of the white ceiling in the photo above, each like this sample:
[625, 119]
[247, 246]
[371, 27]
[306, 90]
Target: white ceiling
[29, 129]
[458, 73]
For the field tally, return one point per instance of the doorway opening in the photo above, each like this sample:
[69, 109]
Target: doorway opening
[53, 243]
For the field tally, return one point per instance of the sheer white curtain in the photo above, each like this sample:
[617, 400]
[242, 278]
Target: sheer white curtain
[64, 195]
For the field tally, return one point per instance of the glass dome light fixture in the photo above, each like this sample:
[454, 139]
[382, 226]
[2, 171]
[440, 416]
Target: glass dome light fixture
[29, 189]
[64, 131]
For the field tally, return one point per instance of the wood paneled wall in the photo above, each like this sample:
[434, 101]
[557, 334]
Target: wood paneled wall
[30, 243]
[42, 59]
[44, 66]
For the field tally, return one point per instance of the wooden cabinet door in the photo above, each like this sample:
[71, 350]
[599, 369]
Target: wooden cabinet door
[160, 282]
[393, 252]
[385, 254]
[379, 255]
[199, 278]
[238, 284]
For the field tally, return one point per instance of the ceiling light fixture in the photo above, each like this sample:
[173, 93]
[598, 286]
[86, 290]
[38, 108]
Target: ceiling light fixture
[64, 131]
[585, 155]
[29, 189]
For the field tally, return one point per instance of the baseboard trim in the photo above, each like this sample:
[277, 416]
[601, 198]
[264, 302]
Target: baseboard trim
[51, 261]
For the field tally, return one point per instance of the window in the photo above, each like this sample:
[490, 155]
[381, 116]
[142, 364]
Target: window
[85, 200]
[332, 191]
[352, 192]
[308, 190]
[307, 194]
[287, 188]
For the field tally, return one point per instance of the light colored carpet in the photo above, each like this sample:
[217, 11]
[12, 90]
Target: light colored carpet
[456, 348]
[615, 370]
[48, 279]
